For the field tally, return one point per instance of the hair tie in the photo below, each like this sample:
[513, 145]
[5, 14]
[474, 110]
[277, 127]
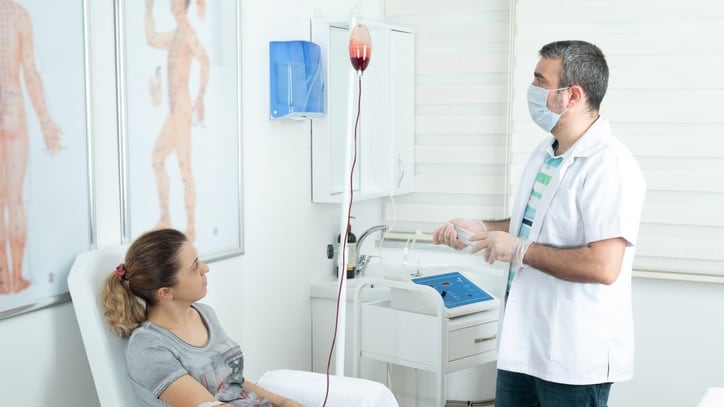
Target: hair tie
[120, 271]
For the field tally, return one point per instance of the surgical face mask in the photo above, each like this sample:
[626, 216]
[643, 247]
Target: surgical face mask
[538, 107]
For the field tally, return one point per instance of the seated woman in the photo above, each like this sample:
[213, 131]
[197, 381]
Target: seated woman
[177, 353]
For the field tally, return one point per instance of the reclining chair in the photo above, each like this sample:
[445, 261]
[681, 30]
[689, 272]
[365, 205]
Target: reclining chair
[106, 351]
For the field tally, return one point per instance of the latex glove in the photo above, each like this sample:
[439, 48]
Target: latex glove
[502, 246]
[445, 234]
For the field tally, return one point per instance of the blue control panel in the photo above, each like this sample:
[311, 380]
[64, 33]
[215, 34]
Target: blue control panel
[455, 289]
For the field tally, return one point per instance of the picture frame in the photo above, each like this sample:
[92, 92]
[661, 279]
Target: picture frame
[57, 218]
[181, 169]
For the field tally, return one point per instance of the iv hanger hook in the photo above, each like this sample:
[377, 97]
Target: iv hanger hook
[357, 14]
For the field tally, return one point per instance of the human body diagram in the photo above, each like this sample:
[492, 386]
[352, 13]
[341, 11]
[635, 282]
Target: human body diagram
[183, 47]
[17, 60]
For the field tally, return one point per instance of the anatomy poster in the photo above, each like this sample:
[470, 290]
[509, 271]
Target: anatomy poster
[45, 218]
[183, 121]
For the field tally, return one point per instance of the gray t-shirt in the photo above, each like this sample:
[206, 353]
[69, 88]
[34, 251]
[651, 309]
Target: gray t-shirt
[156, 358]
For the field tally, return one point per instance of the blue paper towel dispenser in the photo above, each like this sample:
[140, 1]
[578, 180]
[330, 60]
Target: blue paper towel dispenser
[296, 80]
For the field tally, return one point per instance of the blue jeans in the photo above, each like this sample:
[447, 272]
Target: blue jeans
[521, 390]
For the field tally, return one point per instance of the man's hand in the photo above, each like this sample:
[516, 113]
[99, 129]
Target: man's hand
[445, 234]
[502, 246]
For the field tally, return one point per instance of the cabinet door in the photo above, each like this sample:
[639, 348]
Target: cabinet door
[385, 131]
[329, 133]
[403, 107]
[376, 118]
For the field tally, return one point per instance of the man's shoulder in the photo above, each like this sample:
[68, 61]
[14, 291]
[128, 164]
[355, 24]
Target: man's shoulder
[613, 146]
[602, 141]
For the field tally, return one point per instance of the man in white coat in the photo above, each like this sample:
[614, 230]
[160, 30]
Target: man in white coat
[567, 332]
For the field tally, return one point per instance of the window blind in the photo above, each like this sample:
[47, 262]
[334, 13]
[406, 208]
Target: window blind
[665, 102]
[461, 143]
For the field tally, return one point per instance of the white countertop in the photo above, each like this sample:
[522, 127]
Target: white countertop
[329, 288]
[390, 261]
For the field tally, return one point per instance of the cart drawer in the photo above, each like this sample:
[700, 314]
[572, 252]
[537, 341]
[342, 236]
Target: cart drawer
[472, 340]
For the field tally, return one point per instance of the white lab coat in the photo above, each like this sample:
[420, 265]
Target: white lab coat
[561, 331]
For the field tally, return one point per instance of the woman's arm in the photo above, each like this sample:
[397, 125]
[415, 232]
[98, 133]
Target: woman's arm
[275, 399]
[186, 392]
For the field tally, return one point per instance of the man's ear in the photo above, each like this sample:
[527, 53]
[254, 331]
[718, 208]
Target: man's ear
[578, 96]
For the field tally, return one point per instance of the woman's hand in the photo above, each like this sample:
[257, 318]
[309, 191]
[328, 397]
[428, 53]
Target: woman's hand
[290, 403]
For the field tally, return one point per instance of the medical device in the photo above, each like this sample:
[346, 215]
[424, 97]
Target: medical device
[463, 235]
[460, 293]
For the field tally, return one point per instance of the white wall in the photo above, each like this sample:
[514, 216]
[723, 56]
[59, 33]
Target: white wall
[261, 295]
[264, 294]
[679, 336]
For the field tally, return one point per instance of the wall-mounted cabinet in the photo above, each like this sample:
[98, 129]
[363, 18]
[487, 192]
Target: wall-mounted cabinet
[386, 130]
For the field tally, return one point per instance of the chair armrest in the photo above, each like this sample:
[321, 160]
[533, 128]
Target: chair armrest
[309, 389]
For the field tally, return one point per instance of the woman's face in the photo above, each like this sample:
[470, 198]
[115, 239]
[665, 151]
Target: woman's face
[191, 277]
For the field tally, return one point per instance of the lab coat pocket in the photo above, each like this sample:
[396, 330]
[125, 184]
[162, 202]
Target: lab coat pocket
[578, 345]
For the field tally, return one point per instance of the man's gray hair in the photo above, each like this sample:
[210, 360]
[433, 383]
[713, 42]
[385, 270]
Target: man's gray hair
[583, 64]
